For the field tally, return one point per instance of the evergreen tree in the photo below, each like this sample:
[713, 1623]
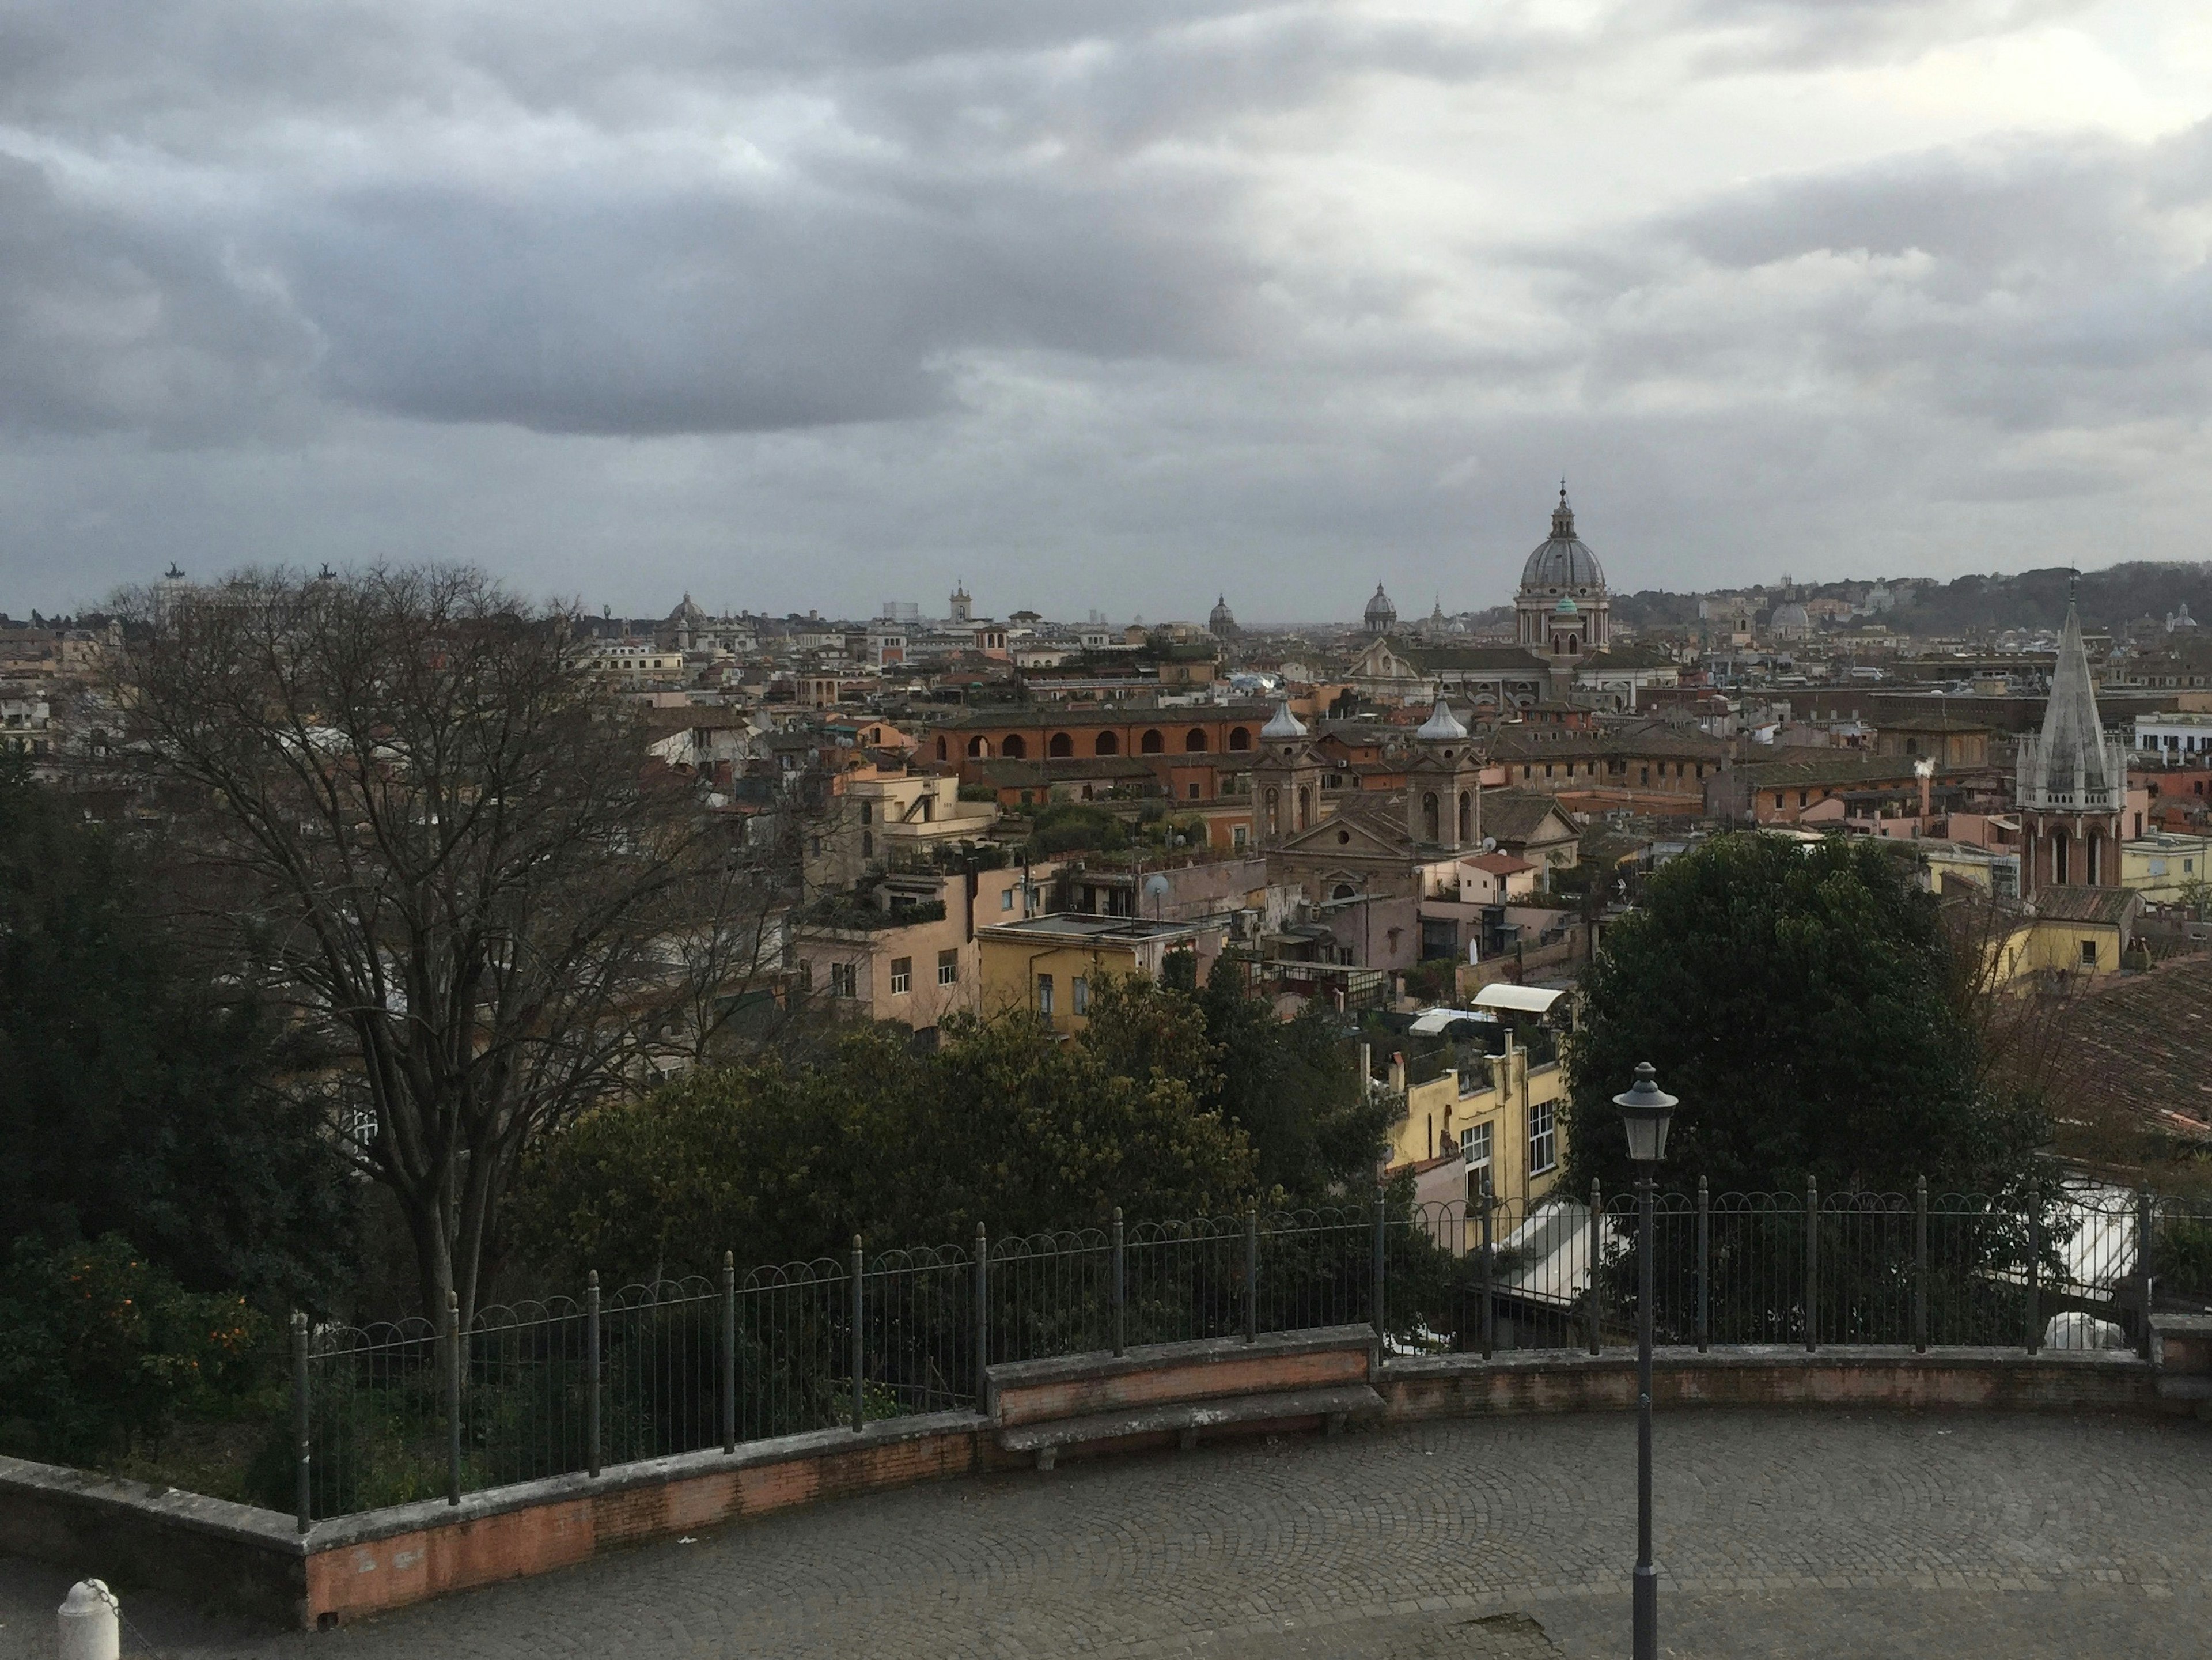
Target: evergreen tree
[136, 1097]
[1804, 1003]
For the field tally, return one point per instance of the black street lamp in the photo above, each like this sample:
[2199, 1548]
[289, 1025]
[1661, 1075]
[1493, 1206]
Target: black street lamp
[1646, 1110]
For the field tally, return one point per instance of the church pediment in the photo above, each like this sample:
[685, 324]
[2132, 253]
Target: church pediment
[1344, 837]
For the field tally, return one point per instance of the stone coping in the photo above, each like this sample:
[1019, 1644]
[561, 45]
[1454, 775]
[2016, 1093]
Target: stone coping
[1158, 1357]
[341, 1531]
[220, 1518]
[1767, 1357]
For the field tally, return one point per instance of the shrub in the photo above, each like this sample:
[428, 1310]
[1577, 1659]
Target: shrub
[99, 1350]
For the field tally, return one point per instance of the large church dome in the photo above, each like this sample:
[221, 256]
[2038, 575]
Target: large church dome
[1561, 560]
[1382, 615]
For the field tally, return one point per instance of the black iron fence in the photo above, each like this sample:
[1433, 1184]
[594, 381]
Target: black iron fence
[391, 1413]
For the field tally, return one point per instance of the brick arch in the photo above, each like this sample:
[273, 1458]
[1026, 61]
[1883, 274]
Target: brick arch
[1107, 743]
[1016, 748]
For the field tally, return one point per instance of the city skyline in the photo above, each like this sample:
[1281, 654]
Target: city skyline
[795, 302]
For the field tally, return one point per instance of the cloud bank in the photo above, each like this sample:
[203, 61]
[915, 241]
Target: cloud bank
[818, 304]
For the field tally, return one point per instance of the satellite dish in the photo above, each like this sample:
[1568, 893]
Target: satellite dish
[1490, 844]
[1157, 888]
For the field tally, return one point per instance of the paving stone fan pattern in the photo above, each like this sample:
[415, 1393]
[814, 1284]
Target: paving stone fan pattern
[1780, 1533]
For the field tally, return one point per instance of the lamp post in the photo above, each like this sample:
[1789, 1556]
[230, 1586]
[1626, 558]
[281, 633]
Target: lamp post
[1645, 1111]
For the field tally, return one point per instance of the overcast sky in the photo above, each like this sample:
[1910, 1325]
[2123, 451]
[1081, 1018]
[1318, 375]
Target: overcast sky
[1108, 303]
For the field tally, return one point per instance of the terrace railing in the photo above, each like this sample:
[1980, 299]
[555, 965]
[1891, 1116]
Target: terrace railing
[391, 1413]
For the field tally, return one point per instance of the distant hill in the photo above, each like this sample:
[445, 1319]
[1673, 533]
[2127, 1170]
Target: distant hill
[2109, 598]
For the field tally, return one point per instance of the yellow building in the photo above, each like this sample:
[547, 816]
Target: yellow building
[1049, 964]
[2076, 931]
[2160, 867]
[1499, 1115]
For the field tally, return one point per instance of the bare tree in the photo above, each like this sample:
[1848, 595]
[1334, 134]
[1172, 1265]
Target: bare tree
[455, 852]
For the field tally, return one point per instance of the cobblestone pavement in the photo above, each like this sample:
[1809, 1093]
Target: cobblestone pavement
[1780, 1533]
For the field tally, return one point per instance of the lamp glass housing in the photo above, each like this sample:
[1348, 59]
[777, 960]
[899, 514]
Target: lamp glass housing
[1645, 1112]
[1647, 1134]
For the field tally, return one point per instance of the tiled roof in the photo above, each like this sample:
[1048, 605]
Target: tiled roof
[2142, 1044]
[2107, 906]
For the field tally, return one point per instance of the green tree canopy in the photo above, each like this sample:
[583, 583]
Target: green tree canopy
[136, 1093]
[1293, 1087]
[1001, 1124]
[1804, 1003]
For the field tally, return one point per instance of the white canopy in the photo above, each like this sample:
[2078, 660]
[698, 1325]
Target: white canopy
[1429, 1022]
[1521, 1000]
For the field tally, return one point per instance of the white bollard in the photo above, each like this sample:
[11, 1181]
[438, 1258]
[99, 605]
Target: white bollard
[89, 1624]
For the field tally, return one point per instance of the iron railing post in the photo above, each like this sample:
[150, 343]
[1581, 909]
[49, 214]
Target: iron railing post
[594, 1378]
[859, 1342]
[303, 1490]
[1120, 1288]
[2146, 1244]
[1489, 1270]
[1920, 1264]
[729, 1351]
[1251, 1273]
[1596, 1244]
[1704, 1265]
[452, 1398]
[982, 1319]
[2035, 1298]
[1812, 1263]
[1375, 1290]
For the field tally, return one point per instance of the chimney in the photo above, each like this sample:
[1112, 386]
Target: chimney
[1925, 769]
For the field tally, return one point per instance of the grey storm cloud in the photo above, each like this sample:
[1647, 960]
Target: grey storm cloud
[109, 322]
[1154, 285]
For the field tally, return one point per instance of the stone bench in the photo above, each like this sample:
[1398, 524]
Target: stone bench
[1039, 1407]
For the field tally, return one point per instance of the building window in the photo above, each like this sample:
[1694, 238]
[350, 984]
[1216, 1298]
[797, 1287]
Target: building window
[948, 968]
[902, 975]
[1194, 792]
[1006, 900]
[1237, 835]
[1543, 1139]
[844, 980]
[1078, 992]
[2088, 953]
[867, 813]
[1474, 1147]
[1044, 995]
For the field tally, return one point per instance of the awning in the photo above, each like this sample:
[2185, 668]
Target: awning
[1429, 1022]
[1521, 1000]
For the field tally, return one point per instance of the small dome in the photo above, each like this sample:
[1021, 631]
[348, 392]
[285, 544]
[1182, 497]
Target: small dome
[1566, 607]
[1561, 560]
[1443, 723]
[1283, 724]
[687, 611]
[1380, 612]
[1220, 617]
[1792, 616]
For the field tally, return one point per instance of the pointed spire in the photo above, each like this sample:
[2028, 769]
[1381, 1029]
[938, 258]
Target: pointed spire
[2070, 764]
[1283, 723]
